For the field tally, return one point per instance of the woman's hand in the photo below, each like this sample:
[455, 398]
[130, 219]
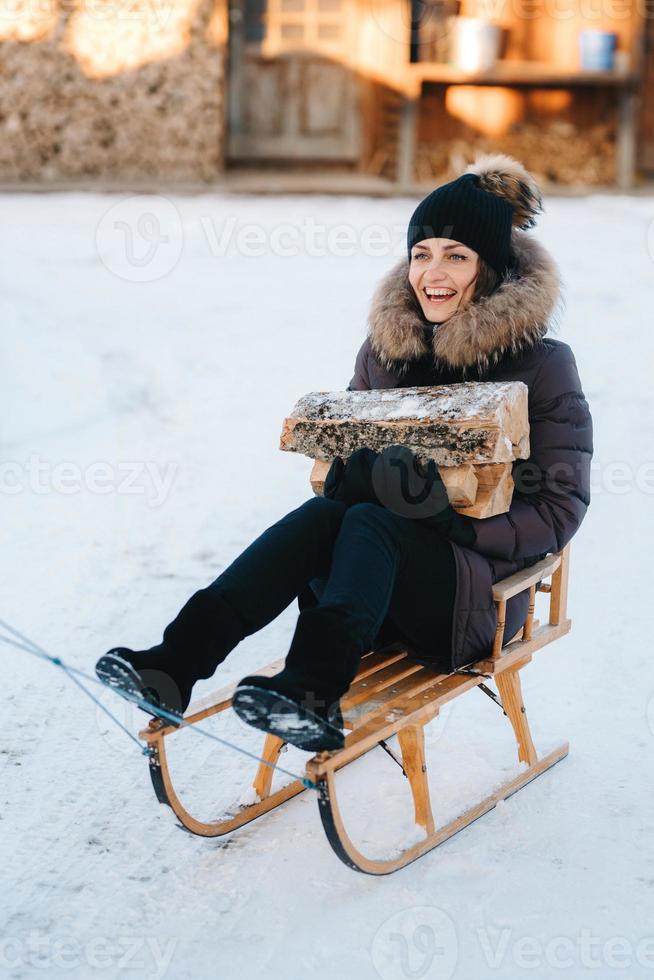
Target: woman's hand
[397, 480]
[351, 481]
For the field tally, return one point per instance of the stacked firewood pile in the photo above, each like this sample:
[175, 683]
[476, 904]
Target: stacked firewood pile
[474, 431]
[111, 89]
[557, 152]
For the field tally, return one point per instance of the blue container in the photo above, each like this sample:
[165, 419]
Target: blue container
[597, 49]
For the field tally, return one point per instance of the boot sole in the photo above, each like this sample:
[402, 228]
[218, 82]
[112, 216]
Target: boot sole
[121, 677]
[281, 716]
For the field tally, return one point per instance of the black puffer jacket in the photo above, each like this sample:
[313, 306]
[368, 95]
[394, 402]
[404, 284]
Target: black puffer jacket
[499, 338]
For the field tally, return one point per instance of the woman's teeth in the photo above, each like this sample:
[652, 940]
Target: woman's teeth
[439, 295]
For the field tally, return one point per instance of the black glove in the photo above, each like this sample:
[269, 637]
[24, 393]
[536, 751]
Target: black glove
[351, 481]
[397, 480]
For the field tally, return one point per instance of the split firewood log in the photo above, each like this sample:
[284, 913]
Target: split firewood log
[474, 431]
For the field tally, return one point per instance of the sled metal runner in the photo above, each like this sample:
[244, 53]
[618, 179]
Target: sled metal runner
[394, 695]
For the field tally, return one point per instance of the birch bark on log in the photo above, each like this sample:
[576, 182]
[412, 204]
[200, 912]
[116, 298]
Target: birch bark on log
[472, 422]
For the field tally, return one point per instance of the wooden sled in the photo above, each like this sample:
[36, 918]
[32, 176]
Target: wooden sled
[393, 694]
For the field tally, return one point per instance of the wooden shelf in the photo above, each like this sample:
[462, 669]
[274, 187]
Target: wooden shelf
[522, 73]
[518, 73]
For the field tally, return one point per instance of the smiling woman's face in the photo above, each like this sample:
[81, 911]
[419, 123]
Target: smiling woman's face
[443, 274]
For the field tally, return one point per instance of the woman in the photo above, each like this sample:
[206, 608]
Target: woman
[472, 302]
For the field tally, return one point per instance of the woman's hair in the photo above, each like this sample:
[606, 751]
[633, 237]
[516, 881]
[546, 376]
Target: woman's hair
[487, 281]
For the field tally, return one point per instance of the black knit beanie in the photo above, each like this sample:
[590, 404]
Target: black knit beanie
[480, 208]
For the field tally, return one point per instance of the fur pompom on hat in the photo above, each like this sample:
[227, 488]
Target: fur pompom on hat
[480, 208]
[505, 177]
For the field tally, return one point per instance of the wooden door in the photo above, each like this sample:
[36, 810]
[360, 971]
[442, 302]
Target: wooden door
[292, 95]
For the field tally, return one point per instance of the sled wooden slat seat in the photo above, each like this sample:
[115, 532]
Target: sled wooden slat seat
[394, 695]
[367, 688]
[417, 707]
[382, 696]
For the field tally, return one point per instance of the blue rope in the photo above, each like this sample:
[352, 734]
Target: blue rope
[74, 673]
[71, 671]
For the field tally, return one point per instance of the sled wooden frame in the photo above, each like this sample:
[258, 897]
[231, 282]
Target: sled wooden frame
[393, 694]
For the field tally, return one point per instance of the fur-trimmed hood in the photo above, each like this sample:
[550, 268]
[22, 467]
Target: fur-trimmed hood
[516, 316]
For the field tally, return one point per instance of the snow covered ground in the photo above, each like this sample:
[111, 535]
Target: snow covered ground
[150, 349]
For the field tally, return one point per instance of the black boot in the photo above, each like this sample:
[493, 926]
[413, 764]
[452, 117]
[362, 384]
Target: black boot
[143, 673]
[301, 704]
[198, 639]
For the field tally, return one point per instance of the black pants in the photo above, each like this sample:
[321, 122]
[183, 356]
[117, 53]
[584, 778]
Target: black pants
[389, 578]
